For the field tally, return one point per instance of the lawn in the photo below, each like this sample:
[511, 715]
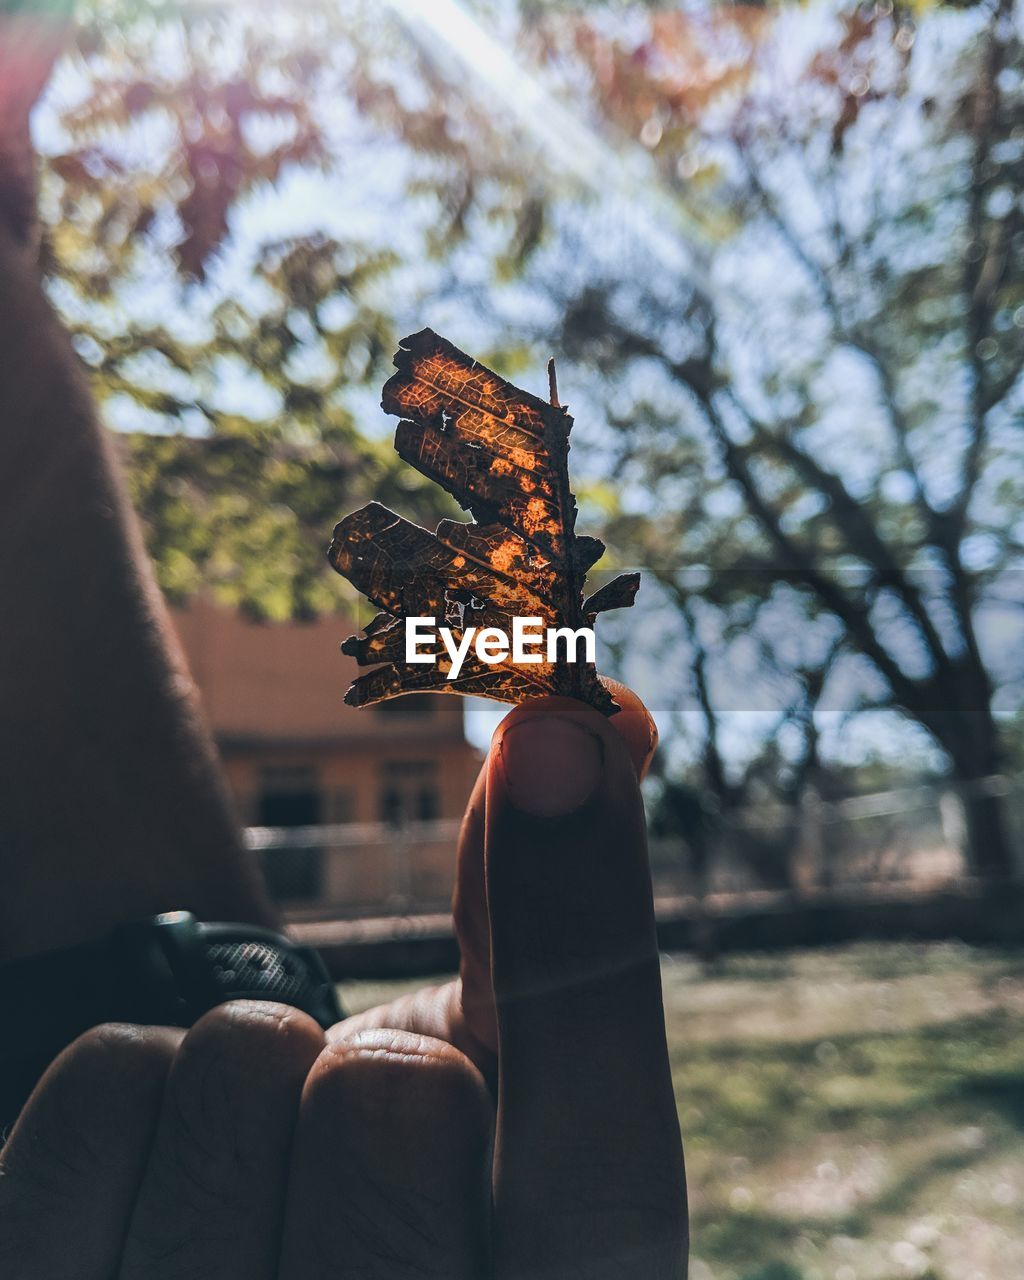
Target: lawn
[849, 1115]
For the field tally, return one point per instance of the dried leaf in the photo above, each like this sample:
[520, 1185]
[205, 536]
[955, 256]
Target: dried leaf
[503, 454]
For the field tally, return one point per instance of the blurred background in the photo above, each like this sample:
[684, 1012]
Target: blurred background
[778, 252]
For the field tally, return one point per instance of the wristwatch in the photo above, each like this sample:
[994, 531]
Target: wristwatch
[167, 971]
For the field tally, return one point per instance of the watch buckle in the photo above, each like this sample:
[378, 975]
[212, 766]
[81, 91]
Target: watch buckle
[162, 965]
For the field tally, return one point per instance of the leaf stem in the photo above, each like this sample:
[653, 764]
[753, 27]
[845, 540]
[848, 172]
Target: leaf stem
[553, 384]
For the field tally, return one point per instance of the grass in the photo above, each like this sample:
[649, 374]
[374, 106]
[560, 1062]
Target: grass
[849, 1115]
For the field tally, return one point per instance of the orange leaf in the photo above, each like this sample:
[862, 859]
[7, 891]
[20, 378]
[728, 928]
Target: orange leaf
[503, 454]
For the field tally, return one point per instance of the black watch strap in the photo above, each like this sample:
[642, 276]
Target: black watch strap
[166, 971]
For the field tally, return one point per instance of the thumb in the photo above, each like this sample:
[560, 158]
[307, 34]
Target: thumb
[588, 1159]
[568, 886]
[633, 723]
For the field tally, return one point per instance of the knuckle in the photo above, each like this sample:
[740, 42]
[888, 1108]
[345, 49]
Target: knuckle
[450, 1082]
[248, 1031]
[109, 1074]
[114, 1051]
[397, 1075]
[81, 1117]
[234, 1058]
[395, 1103]
[239, 1069]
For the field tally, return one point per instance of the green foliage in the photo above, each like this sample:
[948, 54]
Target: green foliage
[243, 504]
[241, 444]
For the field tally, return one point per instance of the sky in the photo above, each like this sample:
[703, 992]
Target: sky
[633, 209]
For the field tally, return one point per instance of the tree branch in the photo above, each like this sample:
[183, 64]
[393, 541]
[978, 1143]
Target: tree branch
[997, 391]
[981, 273]
[852, 614]
[844, 334]
[861, 534]
[714, 766]
[944, 528]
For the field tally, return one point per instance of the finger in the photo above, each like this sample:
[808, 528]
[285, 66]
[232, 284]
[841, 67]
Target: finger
[588, 1172]
[472, 925]
[462, 1013]
[636, 727]
[212, 1198]
[634, 724]
[390, 1173]
[69, 1173]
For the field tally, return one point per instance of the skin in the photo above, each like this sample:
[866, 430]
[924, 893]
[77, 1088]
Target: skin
[518, 1122]
[109, 774]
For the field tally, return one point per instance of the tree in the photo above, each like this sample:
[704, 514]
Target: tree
[835, 405]
[917, 282]
[233, 388]
[725, 802]
[794, 299]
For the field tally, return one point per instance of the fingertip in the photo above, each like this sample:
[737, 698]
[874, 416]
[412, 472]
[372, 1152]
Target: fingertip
[635, 723]
[391, 1163]
[267, 1036]
[632, 722]
[550, 765]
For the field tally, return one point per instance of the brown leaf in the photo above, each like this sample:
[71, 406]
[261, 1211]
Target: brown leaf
[503, 454]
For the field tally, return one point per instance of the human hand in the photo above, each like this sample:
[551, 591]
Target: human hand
[250, 1148]
[559, 997]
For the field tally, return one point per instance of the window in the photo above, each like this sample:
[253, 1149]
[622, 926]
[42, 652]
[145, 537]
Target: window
[342, 806]
[290, 796]
[409, 792]
[428, 803]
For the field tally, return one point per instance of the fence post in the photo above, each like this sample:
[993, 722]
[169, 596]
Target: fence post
[953, 821]
[812, 870]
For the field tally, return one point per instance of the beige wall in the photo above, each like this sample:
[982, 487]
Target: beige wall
[273, 695]
[287, 681]
[351, 777]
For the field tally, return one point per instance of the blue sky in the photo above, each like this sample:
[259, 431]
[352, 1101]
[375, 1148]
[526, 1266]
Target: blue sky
[632, 214]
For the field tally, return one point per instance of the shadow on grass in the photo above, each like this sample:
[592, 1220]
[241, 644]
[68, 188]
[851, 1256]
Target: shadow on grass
[1002, 1092]
[737, 1238]
[775, 1271]
[771, 1099]
[779, 1093]
[903, 1193]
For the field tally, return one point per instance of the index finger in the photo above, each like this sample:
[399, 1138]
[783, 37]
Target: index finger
[588, 1171]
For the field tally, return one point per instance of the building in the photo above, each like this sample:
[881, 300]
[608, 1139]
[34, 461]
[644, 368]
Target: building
[391, 780]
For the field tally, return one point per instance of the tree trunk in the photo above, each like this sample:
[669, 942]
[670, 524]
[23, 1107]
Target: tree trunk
[977, 757]
[770, 858]
[971, 737]
[990, 852]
